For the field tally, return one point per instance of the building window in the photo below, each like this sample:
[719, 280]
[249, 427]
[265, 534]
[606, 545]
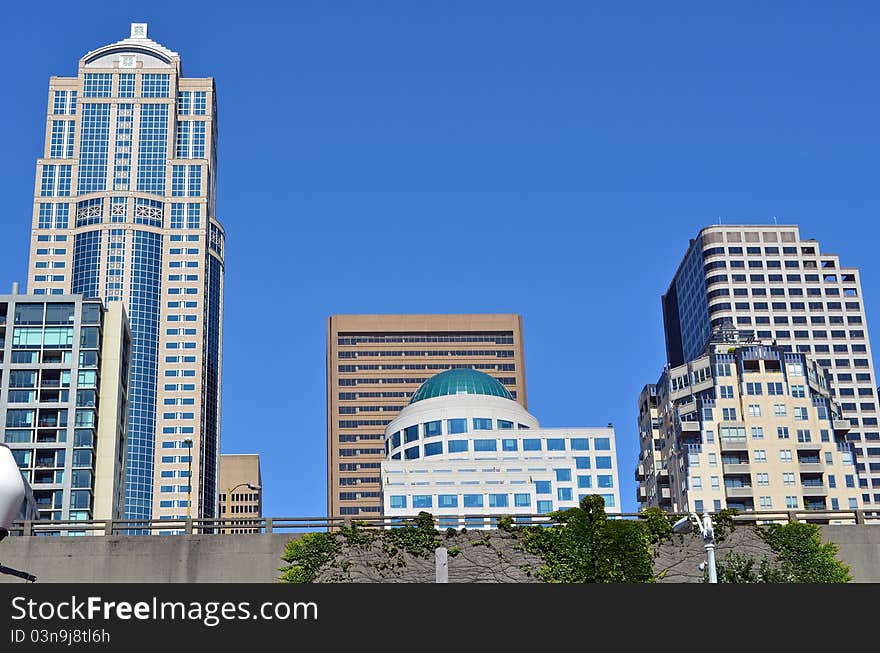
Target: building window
[422, 501]
[522, 500]
[398, 501]
[580, 444]
[431, 429]
[485, 445]
[447, 501]
[531, 444]
[482, 424]
[498, 501]
[563, 475]
[545, 507]
[542, 487]
[457, 446]
[457, 425]
[473, 500]
[564, 494]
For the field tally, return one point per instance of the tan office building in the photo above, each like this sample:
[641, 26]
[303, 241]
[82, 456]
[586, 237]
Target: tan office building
[123, 210]
[374, 365]
[240, 490]
[748, 426]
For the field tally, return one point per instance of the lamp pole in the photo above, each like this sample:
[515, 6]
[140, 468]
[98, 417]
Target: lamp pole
[229, 492]
[189, 487]
[708, 533]
[686, 525]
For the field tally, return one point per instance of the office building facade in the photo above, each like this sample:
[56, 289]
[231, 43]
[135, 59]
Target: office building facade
[374, 365]
[767, 281]
[64, 375]
[463, 449]
[124, 210]
[746, 426]
[240, 491]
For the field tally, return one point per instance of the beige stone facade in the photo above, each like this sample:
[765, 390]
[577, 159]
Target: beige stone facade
[240, 490]
[376, 362]
[746, 425]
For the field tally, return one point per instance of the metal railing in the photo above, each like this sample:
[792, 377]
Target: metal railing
[268, 525]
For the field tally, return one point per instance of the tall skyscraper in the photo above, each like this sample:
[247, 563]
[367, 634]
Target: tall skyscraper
[374, 365]
[124, 210]
[766, 280]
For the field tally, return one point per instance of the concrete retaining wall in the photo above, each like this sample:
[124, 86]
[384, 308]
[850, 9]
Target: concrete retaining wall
[256, 558]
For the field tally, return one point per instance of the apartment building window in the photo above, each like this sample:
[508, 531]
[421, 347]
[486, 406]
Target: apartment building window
[765, 502]
[758, 432]
[791, 502]
[762, 478]
[760, 456]
[754, 410]
[782, 432]
[785, 455]
[728, 414]
[779, 410]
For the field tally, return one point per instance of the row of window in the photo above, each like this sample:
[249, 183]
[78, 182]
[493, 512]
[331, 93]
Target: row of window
[152, 85]
[500, 353]
[520, 500]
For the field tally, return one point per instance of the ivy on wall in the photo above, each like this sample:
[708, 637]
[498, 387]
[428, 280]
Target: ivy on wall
[581, 546]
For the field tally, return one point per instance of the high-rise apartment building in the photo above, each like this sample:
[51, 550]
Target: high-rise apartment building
[374, 365]
[747, 426]
[768, 281]
[64, 375]
[124, 210]
[240, 491]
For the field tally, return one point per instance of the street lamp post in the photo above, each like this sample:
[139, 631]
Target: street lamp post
[686, 525]
[189, 487]
[250, 486]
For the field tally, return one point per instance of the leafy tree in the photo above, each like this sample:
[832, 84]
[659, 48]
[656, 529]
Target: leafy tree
[803, 556]
[586, 547]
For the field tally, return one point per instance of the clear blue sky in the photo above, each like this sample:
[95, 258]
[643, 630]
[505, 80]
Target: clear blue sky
[550, 159]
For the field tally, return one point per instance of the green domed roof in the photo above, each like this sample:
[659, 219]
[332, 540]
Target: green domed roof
[460, 381]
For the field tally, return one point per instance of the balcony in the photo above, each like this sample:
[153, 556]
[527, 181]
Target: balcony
[739, 492]
[733, 444]
[841, 425]
[640, 473]
[641, 494]
[736, 468]
[808, 446]
[814, 490]
[809, 464]
[690, 427]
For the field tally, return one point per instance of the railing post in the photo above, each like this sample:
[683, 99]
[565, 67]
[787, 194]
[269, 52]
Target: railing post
[108, 527]
[860, 516]
[268, 525]
[188, 526]
[28, 528]
[441, 565]
[792, 516]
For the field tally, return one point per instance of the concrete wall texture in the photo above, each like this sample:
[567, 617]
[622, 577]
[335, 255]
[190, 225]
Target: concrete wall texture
[257, 558]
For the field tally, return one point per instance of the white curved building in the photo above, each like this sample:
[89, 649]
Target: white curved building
[464, 449]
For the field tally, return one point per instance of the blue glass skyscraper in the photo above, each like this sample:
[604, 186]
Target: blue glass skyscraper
[124, 210]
